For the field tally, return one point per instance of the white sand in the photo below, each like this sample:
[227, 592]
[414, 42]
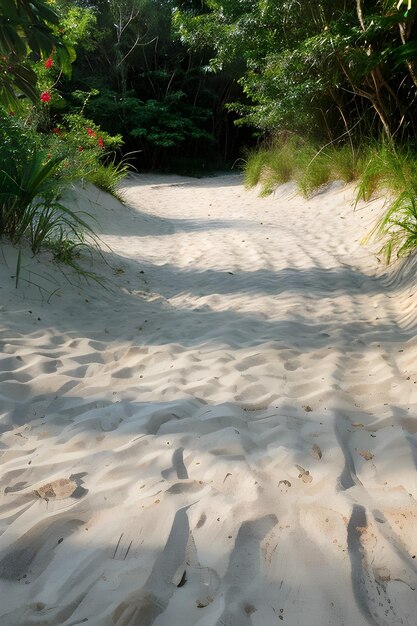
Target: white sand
[241, 406]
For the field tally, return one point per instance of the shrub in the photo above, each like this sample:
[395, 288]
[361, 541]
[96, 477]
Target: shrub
[30, 192]
[84, 149]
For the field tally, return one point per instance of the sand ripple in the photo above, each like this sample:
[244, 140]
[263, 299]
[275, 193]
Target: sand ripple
[228, 435]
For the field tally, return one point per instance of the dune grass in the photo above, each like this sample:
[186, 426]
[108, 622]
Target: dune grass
[393, 171]
[378, 168]
[308, 165]
[272, 166]
[107, 177]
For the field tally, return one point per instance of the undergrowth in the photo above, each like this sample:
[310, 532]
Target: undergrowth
[33, 180]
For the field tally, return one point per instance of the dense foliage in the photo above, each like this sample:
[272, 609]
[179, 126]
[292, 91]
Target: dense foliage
[321, 68]
[149, 87]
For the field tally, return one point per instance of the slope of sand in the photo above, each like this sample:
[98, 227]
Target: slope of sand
[239, 404]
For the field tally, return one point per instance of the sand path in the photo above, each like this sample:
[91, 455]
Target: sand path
[228, 436]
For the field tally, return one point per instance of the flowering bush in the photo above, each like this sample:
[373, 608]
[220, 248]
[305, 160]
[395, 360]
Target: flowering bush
[39, 155]
[87, 152]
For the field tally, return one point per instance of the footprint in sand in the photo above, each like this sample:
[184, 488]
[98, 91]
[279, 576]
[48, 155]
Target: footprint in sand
[304, 474]
[316, 452]
[291, 366]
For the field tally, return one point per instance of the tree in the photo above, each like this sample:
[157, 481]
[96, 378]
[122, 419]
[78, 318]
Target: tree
[314, 67]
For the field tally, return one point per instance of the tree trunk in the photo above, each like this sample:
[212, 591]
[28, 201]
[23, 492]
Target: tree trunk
[405, 33]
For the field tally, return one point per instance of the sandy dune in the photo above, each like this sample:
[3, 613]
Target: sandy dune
[227, 435]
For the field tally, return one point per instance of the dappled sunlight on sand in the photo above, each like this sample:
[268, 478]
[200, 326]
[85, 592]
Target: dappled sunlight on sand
[227, 434]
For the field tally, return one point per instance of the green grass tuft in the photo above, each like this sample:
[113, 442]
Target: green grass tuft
[393, 171]
[272, 166]
[107, 177]
[312, 171]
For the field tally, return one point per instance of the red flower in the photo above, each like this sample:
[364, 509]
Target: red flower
[45, 96]
[90, 132]
[48, 63]
[12, 113]
[80, 149]
[100, 142]
[56, 131]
